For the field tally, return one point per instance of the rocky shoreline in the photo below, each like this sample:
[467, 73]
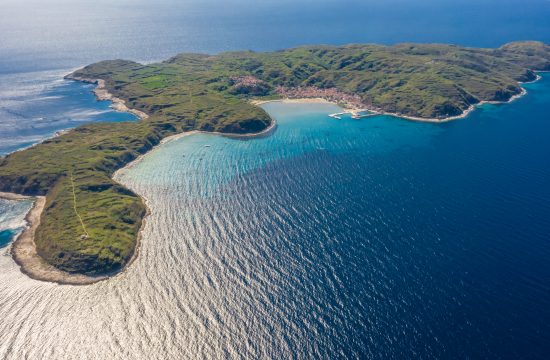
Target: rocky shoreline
[102, 94]
[352, 103]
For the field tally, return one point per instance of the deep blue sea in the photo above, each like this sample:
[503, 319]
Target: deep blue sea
[378, 238]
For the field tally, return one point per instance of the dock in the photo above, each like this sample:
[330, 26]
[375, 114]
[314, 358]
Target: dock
[355, 114]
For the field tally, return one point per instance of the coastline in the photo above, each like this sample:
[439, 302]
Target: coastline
[103, 94]
[292, 101]
[174, 137]
[463, 115]
[13, 196]
[23, 248]
[376, 112]
[136, 161]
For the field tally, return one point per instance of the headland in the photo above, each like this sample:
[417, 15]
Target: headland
[87, 225]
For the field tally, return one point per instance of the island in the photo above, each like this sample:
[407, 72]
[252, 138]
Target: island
[86, 226]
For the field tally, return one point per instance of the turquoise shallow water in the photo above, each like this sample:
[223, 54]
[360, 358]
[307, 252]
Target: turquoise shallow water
[6, 237]
[377, 238]
[57, 36]
[352, 239]
[12, 215]
[211, 162]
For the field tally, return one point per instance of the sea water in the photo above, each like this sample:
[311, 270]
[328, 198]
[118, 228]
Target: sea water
[372, 238]
[12, 219]
[39, 46]
[35, 106]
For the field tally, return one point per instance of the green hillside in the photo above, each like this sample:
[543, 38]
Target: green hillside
[90, 222]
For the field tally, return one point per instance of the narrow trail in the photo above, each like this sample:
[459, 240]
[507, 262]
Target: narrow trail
[74, 207]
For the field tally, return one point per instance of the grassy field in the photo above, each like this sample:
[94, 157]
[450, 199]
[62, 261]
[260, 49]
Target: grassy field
[90, 223]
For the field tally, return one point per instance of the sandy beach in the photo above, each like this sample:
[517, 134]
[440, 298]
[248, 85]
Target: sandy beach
[292, 101]
[12, 196]
[102, 93]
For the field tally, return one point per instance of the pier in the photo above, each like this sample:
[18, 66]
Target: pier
[355, 114]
